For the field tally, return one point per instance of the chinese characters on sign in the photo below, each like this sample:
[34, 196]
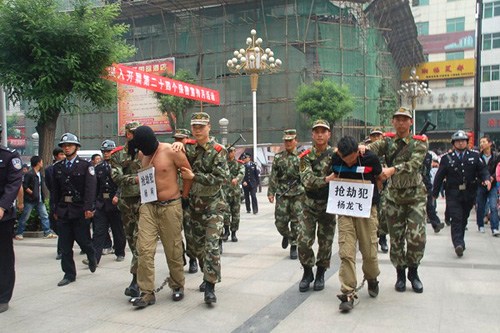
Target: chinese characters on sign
[350, 198]
[440, 70]
[147, 184]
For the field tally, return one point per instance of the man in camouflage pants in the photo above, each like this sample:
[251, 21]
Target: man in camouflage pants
[233, 195]
[124, 166]
[405, 197]
[206, 200]
[315, 165]
[285, 185]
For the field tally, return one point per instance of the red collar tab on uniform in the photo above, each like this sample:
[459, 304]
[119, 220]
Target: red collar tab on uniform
[116, 149]
[389, 135]
[190, 141]
[304, 153]
[218, 147]
[420, 137]
[241, 161]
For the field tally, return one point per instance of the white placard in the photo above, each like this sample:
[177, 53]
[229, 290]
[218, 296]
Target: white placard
[147, 184]
[350, 197]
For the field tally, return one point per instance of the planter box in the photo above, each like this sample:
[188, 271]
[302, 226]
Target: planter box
[33, 234]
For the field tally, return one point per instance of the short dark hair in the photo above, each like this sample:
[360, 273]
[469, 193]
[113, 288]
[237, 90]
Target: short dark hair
[57, 151]
[94, 156]
[347, 145]
[34, 160]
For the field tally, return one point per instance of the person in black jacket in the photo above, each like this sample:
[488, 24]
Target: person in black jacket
[34, 198]
[74, 193]
[251, 182]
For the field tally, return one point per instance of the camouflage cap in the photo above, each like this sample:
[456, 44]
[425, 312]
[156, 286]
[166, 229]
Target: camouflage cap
[376, 131]
[200, 118]
[132, 125]
[230, 149]
[321, 123]
[402, 111]
[182, 133]
[367, 140]
[289, 134]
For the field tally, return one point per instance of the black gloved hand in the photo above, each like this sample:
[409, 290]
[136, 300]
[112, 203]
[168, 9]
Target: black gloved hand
[185, 203]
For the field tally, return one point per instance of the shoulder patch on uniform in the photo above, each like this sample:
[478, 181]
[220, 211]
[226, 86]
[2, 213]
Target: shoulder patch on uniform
[420, 137]
[190, 141]
[304, 153]
[17, 163]
[389, 134]
[117, 149]
[218, 147]
[92, 170]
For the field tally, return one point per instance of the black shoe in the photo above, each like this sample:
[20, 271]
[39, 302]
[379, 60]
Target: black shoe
[177, 294]
[65, 282]
[59, 256]
[346, 302]
[459, 250]
[203, 286]
[284, 242]
[133, 289]
[401, 280]
[307, 278]
[248, 212]
[92, 265]
[319, 281]
[437, 228]
[233, 236]
[373, 288]
[210, 293]
[383, 243]
[254, 213]
[144, 300]
[4, 307]
[293, 252]
[193, 266]
[225, 235]
[416, 284]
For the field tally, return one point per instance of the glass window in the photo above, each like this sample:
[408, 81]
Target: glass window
[487, 41]
[454, 55]
[422, 28]
[455, 24]
[495, 105]
[488, 10]
[485, 105]
[495, 72]
[496, 40]
[416, 3]
[455, 83]
[486, 74]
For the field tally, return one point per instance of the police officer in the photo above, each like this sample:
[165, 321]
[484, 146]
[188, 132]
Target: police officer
[74, 192]
[464, 171]
[107, 214]
[251, 182]
[285, 185]
[11, 177]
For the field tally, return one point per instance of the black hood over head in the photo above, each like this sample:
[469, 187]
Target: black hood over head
[145, 140]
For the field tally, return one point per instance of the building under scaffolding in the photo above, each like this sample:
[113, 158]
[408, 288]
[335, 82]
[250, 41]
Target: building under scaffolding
[360, 44]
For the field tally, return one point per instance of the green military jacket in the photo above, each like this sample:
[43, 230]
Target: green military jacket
[408, 162]
[209, 166]
[314, 167]
[124, 172]
[285, 176]
[236, 170]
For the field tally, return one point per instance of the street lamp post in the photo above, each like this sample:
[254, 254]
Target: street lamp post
[223, 130]
[35, 138]
[413, 90]
[254, 61]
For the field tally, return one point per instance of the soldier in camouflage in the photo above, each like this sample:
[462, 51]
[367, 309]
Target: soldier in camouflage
[232, 193]
[285, 185]
[405, 197]
[206, 200]
[124, 166]
[315, 165]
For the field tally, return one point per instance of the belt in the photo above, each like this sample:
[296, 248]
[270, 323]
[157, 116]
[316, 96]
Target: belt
[68, 199]
[165, 202]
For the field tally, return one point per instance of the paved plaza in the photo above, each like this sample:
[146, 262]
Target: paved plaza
[259, 290]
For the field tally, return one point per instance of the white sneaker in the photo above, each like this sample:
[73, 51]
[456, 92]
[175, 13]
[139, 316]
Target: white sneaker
[496, 233]
[481, 230]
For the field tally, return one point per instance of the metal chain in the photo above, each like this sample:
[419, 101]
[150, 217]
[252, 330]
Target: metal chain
[157, 290]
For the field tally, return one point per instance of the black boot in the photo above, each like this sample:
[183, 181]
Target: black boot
[401, 281]
[382, 240]
[233, 236]
[293, 252]
[193, 266]
[133, 289]
[307, 278]
[210, 293]
[220, 246]
[373, 288]
[319, 282]
[225, 235]
[416, 284]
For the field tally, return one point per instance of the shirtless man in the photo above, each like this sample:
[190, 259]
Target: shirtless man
[162, 217]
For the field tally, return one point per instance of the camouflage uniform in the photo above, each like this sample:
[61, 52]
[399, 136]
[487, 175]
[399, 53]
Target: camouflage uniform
[207, 204]
[124, 172]
[285, 185]
[233, 195]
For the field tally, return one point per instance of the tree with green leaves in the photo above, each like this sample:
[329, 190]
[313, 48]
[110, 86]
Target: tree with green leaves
[324, 100]
[53, 59]
[175, 108]
[388, 103]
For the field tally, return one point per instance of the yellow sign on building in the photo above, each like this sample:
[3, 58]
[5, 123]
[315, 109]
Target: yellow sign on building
[443, 70]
